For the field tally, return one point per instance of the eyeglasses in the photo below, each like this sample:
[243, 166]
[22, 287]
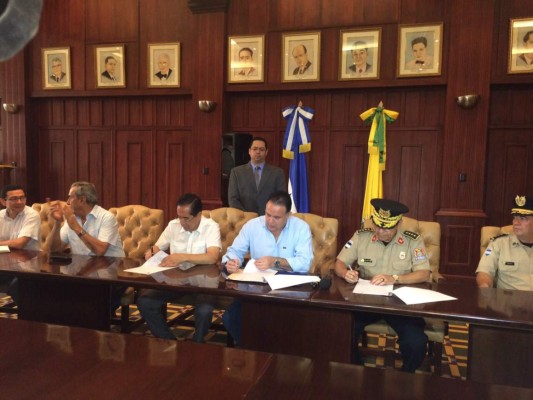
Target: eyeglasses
[15, 199]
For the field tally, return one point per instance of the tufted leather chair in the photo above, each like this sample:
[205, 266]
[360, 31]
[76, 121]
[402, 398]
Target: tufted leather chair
[47, 223]
[139, 228]
[324, 231]
[488, 232]
[435, 329]
[230, 221]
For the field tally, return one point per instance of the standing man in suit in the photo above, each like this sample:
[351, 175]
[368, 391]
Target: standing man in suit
[250, 185]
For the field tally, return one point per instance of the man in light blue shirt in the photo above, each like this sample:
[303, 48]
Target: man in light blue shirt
[276, 240]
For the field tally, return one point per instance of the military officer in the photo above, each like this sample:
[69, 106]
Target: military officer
[385, 255]
[508, 259]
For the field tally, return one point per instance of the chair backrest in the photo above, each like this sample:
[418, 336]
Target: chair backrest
[324, 231]
[139, 228]
[430, 232]
[488, 232]
[230, 221]
[47, 223]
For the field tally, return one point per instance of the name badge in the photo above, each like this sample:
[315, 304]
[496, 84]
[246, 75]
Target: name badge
[509, 263]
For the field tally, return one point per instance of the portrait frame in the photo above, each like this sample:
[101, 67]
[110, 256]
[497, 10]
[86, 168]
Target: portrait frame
[430, 54]
[171, 51]
[101, 55]
[520, 29]
[289, 67]
[238, 72]
[51, 58]
[370, 41]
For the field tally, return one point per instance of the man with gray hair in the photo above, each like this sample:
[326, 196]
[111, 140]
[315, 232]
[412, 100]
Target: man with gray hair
[88, 229]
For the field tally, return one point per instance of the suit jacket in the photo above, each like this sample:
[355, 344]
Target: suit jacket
[160, 74]
[305, 68]
[244, 195]
[353, 68]
[106, 75]
[52, 78]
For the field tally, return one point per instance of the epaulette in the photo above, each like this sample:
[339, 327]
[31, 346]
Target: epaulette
[499, 236]
[411, 235]
[364, 230]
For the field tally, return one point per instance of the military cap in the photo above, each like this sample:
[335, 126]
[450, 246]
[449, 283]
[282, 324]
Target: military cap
[523, 205]
[387, 213]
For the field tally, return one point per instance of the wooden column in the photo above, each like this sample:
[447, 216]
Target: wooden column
[461, 211]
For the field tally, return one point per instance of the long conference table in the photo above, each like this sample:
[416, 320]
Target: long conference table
[301, 321]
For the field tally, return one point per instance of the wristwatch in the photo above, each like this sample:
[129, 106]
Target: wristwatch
[396, 278]
[81, 233]
[277, 263]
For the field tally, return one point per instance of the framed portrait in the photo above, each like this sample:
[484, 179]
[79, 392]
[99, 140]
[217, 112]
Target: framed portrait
[110, 71]
[521, 46]
[56, 68]
[245, 59]
[300, 57]
[164, 65]
[419, 50]
[359, 54]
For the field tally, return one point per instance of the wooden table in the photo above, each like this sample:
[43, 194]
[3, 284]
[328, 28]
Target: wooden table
[44, 361]
[298, 321]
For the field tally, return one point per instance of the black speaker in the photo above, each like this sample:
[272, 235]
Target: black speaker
[235, 148]
[234, 152]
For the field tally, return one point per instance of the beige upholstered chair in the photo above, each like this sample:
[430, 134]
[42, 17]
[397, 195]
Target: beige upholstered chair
[230, 221]
[139, 228]
[47, 223]
[489, 232]
[324, 231]
[435, 329]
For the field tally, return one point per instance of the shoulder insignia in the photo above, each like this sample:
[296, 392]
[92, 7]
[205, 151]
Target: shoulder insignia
[499, 236]
[411, 235]
[364, 230]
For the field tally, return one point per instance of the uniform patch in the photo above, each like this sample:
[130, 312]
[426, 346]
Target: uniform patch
[488, 252]
[419, 254]
[402, 255]
[348, 244]
[364, 230]
[400, 240]
[411, 235]
[374, 238]
[365, 260]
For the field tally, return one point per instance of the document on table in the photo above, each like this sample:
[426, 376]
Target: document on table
[251, 273]
[152, 265]
[365, 287]
[413, 295]
[281, 281]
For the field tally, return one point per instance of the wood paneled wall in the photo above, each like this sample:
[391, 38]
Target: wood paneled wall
[149, 145]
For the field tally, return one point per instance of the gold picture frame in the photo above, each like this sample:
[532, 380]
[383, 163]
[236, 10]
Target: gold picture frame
[420, 50]
[164, 64]
[110, 67]
[300, 57]
[56, 68]
[359, 55]
[245, 59]
[520, 46]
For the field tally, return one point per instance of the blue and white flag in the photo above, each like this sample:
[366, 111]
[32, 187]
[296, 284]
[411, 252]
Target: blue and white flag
[297, 141]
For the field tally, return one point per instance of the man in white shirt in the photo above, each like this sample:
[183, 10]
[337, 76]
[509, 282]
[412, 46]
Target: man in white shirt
[20, 228]
[192, 240]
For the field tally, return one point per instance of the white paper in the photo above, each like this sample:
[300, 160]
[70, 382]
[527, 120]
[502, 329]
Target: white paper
[281, 281]
[412, 295]
[365, 287]
[152, 265]
[251, 273]
[4, 249]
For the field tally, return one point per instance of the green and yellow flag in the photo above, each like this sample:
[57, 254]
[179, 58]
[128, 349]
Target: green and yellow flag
[377, 150]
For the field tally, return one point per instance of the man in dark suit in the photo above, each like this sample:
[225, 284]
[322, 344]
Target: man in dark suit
[165, 72]
[110, 66]
[58, 76]
[360, 65]
[299, 53]
[251, 184]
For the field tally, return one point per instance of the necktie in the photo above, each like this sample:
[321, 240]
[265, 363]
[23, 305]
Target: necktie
[57, 78]
[257, 175]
